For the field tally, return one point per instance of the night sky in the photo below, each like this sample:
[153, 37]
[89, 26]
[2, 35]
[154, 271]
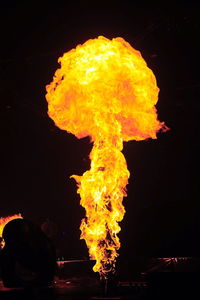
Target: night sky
[37, 158]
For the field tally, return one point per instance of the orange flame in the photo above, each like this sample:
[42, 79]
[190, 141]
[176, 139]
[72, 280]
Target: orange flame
[5, 220]
[104, 90]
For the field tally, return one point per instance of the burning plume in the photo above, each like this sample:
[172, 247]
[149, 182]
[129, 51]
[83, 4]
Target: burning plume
[5, 220]
[104, 90]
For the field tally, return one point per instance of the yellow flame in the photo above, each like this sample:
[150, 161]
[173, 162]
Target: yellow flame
[104, 90]
[5, 220]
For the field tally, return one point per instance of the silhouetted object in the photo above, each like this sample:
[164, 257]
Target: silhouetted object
[50, 228]
[173, 278]
[28, 258]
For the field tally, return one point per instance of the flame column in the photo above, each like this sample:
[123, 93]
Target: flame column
[102, 189]
[104, 90]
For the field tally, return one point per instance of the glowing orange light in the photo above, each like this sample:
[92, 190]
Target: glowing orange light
[5, 220]
[104, 90]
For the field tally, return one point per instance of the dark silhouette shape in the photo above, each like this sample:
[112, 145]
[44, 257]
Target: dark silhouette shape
[28, 258]
[50, 229]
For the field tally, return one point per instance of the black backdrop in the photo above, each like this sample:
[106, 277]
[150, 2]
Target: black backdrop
[162, 207]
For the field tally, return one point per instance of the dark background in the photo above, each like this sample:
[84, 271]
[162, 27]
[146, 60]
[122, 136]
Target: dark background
[37, 158]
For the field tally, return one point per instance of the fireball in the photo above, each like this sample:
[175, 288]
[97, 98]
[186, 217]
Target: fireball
[104, 90]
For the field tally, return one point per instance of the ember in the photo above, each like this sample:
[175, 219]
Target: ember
[104, 90]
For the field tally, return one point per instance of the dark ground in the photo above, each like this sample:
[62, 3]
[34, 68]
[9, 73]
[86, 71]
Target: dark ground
[155, 278]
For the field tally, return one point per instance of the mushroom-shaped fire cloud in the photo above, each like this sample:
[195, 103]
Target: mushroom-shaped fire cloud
[104, 90]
